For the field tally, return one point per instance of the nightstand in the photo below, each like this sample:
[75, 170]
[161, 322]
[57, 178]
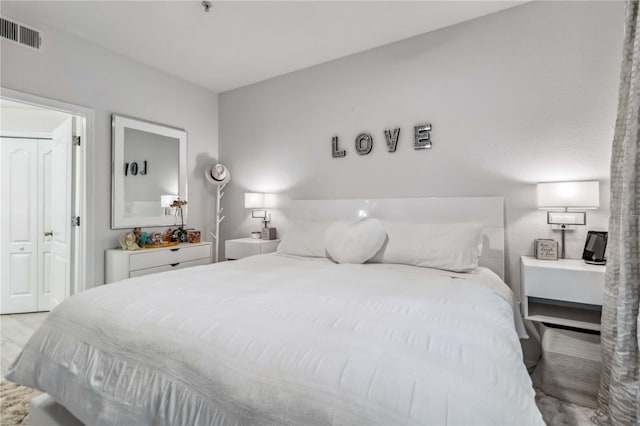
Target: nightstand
[565, 292]
[243, 247]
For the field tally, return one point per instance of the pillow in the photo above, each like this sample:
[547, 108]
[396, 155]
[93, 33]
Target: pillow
[450, 246]
[348, 242]
[304, 239]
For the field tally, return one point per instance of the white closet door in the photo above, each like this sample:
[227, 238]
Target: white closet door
[44, 225]
[61, 166]
[18, 225]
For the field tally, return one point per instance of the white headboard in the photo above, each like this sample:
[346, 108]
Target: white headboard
[488, 211]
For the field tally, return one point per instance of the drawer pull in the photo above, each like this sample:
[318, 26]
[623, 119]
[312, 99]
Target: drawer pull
[175, 249]
[174, 264]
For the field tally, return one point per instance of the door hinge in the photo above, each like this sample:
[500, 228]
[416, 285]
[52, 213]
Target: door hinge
[76, 140]
[75, 221]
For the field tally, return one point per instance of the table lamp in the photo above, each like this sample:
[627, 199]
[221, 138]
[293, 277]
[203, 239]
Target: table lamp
[259, 203]
[561, 199]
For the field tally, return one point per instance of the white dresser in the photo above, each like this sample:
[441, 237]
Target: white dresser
[122, 264]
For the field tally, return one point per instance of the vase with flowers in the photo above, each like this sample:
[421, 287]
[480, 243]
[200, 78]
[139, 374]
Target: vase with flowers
[180, 234]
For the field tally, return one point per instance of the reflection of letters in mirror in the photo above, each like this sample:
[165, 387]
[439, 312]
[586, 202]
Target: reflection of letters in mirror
[150, 160]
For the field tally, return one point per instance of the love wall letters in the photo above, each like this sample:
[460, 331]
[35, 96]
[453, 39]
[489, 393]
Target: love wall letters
[364, 141]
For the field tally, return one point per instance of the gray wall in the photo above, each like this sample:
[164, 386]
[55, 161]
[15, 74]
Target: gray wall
[78, 72]
[518, 97]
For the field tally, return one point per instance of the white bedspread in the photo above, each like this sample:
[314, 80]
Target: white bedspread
[278, 340]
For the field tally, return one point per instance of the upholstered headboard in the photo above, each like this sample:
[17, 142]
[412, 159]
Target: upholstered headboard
[488, 211]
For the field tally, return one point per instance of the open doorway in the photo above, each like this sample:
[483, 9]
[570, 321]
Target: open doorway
[42, 204]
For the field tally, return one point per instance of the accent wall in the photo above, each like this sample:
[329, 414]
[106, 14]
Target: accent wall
[521, 96]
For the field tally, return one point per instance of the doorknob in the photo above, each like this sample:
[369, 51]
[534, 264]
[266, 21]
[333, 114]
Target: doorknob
[48, 234]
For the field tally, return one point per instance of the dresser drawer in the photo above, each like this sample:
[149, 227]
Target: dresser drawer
[164, 268]
[155, 258]
[123, 264]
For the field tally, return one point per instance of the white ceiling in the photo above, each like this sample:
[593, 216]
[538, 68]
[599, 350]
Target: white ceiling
[243, 42]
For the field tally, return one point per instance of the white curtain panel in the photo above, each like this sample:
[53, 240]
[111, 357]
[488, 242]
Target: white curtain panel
[619, 392]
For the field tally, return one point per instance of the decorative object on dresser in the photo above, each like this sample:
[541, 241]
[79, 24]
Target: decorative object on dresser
[129, 241]
[555, 196]
[218, 175]
[193, 236]
[545, 249]
[595, 248]
[139, 193]
[170, 237]
[243, 247]
[567, 292]
[181, 232]
[122, 264]
[259, 203]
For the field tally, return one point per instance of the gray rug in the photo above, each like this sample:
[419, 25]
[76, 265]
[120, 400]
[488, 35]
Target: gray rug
[559, 413]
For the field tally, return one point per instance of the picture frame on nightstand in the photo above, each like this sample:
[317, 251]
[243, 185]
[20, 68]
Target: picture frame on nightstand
[546, 249]
[595, 248]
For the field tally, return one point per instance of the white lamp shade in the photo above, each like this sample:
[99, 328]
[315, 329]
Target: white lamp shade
[583, 194]
[269, 201]
[253, 200]
[167, 200]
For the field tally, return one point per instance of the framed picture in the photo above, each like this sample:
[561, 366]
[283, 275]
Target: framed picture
[595, 247]
[193, 236]
[546, 249]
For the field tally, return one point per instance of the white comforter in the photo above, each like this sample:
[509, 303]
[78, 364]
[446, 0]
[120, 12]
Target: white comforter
[279, 340]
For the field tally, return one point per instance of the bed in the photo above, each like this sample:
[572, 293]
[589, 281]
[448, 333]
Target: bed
[277, 339]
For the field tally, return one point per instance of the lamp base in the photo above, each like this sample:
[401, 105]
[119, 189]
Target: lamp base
[269, 233]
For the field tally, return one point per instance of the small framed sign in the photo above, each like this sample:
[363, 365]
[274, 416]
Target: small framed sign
[546, 249]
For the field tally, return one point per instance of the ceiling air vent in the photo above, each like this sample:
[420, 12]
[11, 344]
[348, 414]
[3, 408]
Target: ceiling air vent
[21, 34]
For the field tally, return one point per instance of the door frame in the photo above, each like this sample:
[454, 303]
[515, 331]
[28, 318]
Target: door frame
[82, 253]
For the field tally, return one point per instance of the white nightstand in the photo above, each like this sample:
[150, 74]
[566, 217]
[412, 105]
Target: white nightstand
[565, 292]
[243, 247]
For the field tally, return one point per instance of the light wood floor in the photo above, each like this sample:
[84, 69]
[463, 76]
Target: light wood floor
[15, 331]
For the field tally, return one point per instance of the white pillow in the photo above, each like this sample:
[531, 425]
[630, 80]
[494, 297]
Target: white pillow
[452, 246]
[349, 242]
[304, 239]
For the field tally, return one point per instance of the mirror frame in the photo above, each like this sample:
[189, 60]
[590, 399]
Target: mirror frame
[118, 124]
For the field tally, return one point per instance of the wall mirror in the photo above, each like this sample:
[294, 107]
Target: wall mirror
[149, 171]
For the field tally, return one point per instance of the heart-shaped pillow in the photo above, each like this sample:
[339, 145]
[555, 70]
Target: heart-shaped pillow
[349, 242]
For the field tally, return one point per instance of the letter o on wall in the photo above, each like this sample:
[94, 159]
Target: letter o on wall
[364, 143]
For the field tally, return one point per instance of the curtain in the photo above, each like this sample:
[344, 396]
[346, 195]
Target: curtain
[619, 393]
